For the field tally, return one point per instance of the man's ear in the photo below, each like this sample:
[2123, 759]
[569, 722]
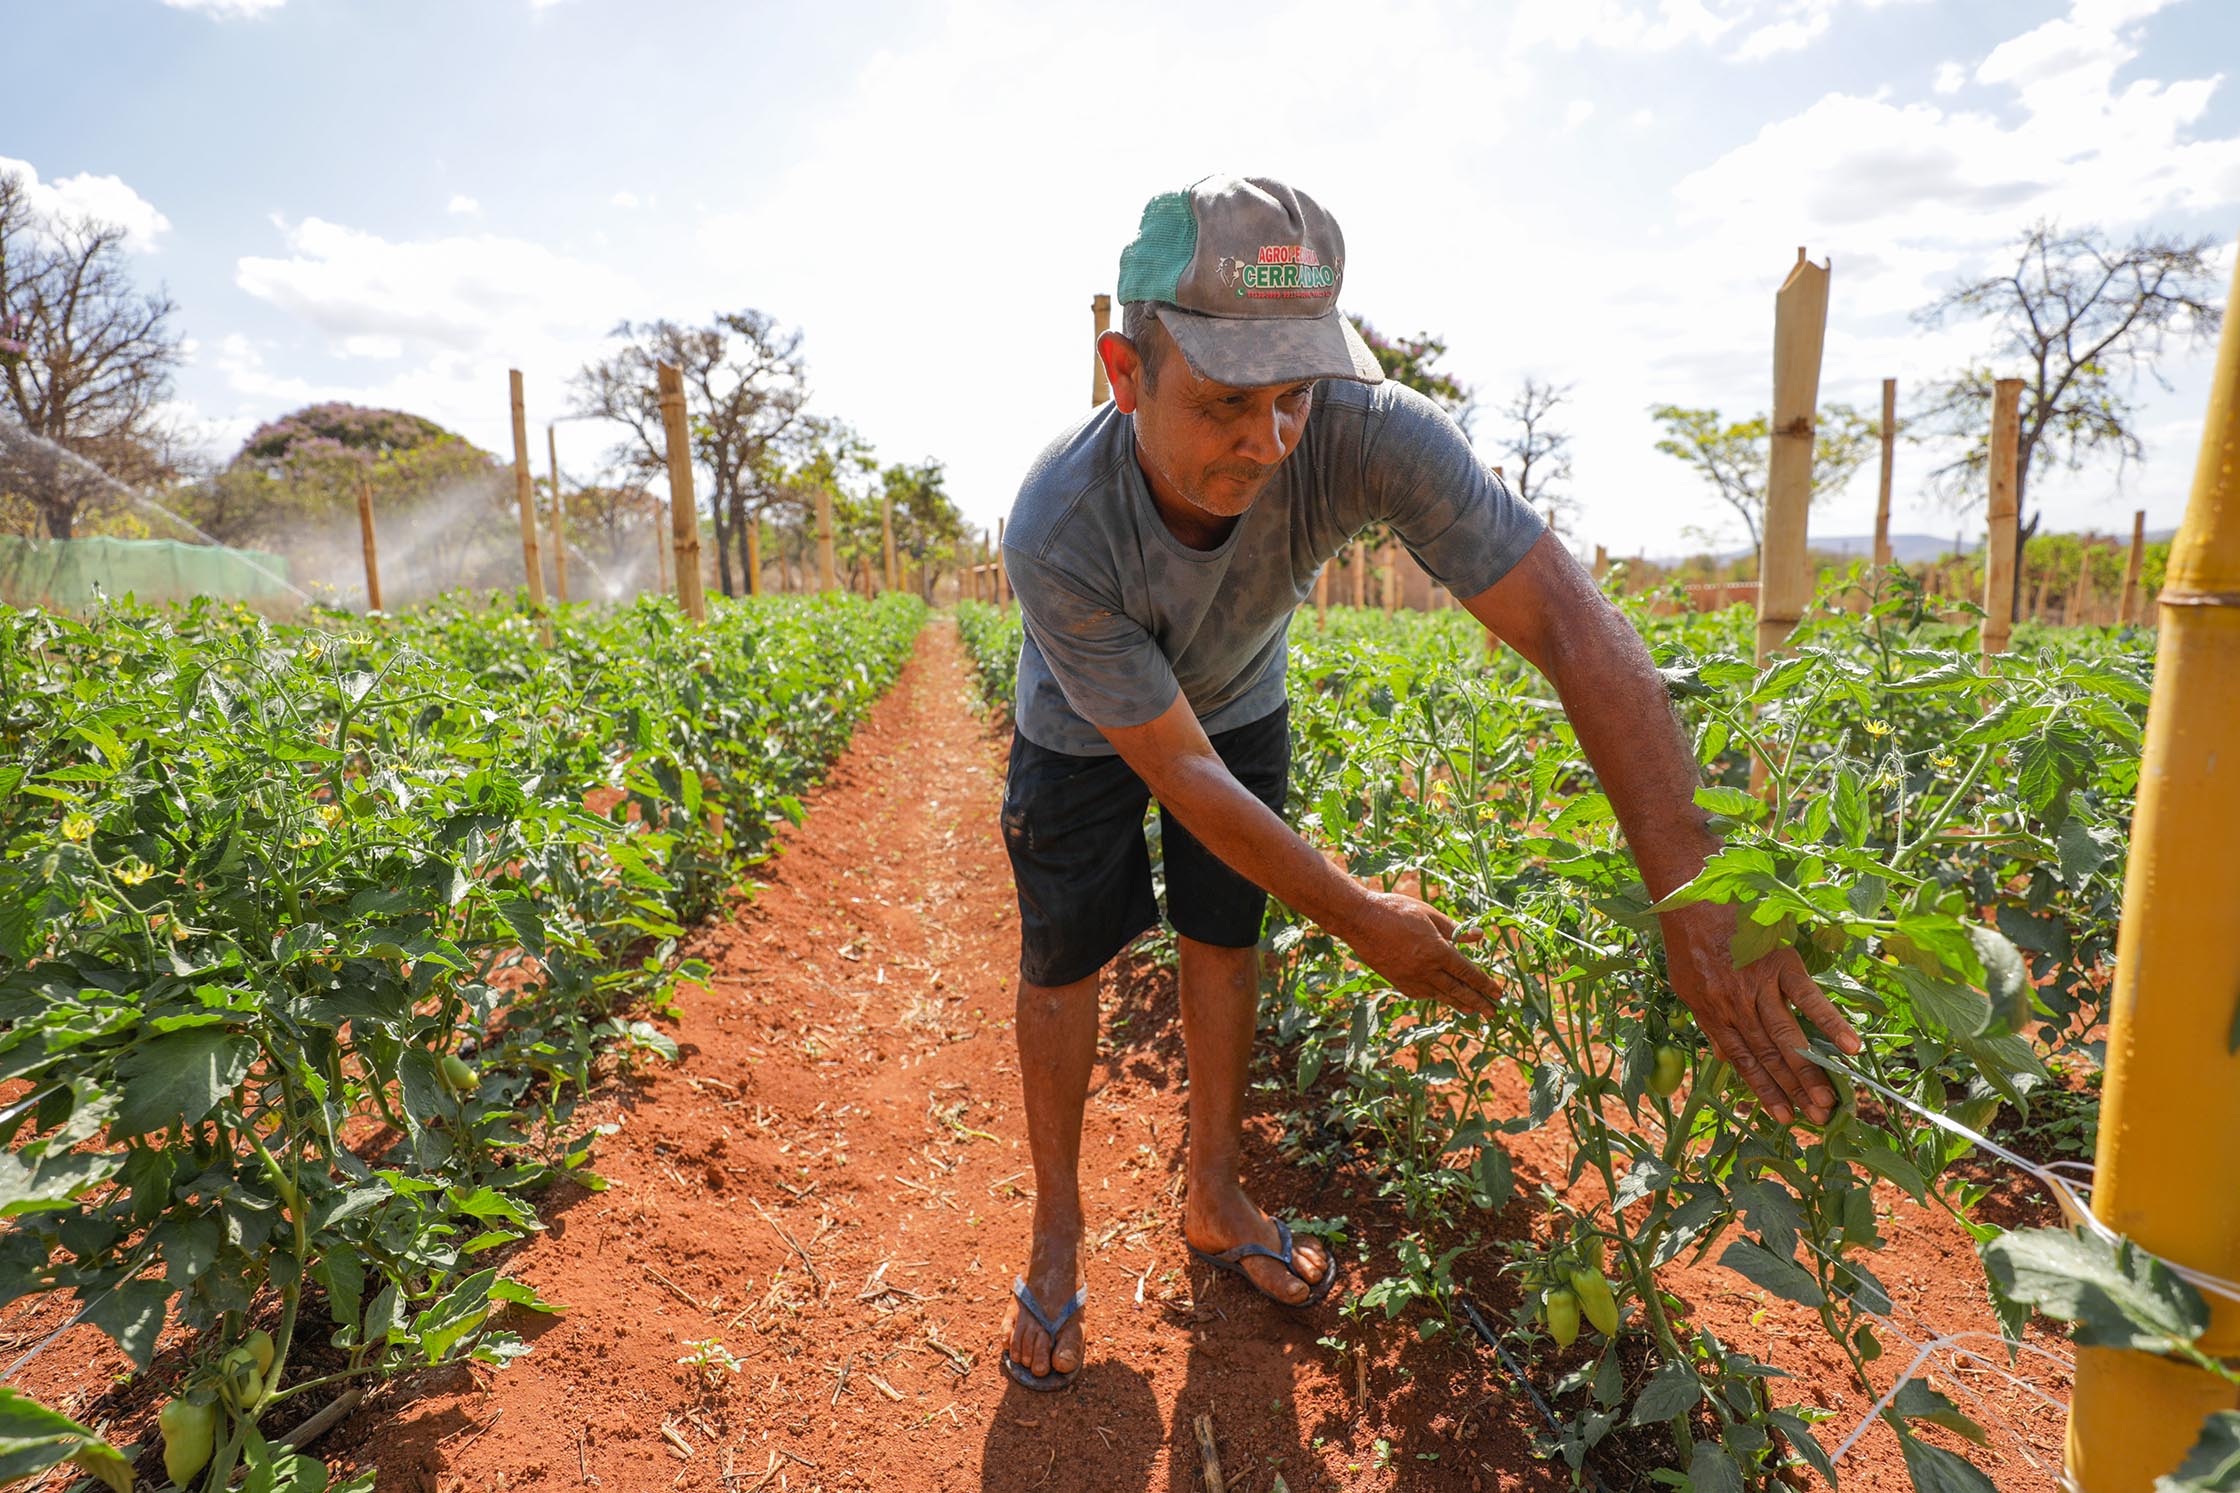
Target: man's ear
[1123, 367]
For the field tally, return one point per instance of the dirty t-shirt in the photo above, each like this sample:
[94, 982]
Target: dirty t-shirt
[1121, 615]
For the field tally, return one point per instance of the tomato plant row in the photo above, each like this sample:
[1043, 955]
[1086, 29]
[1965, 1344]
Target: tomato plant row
[309, 938]
[1944, 847]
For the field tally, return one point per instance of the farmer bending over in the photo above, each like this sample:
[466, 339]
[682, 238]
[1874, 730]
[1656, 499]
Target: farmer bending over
[1158, 550]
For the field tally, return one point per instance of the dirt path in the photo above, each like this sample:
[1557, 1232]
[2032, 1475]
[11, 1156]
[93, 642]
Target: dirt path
[833, 1185]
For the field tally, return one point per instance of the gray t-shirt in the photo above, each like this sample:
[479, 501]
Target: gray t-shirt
[1120, 614]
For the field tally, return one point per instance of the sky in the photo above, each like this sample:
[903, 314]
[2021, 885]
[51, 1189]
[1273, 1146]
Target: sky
[394, 201]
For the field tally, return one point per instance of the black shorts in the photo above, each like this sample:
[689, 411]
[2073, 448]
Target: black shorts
[1074, 827]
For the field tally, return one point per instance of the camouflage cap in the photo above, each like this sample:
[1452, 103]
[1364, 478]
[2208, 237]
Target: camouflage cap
[1245, 274]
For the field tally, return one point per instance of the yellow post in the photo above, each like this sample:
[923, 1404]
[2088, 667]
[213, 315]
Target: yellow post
[827, 577]
[1999, 556]
[1800, 326]
[559, 521]
[684, 508]
[2170, 1114]
[1100, 310]
[524, 492]
[2129, 616]
[1882, 496]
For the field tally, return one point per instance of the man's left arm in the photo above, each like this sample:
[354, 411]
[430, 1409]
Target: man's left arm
[1550, 611]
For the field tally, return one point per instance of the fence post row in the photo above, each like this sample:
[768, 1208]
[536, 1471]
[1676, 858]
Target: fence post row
[684, 508]
[524, 496]
[2170, 1109]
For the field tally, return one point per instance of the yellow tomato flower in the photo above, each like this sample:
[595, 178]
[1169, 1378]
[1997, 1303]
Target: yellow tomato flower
[134, 872]
[77, 825]
[1878, 728]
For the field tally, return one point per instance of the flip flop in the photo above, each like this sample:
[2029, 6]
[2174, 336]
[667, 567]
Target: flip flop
[1232, 1260]
[1054, 1381]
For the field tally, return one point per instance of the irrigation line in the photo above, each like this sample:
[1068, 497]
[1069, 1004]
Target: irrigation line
[1486, 1335]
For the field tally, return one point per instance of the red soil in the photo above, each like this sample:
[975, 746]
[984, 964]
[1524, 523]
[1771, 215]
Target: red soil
[833, 1184]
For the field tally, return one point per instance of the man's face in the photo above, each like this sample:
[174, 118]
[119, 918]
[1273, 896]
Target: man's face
[1211, 445]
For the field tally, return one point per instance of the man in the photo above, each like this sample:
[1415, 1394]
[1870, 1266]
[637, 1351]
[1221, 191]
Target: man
[1158, 551]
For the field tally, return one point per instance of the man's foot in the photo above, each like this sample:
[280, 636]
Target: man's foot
[1219, 1218]
[1053, 1274]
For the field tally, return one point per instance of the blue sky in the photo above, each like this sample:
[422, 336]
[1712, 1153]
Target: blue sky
[394, 202]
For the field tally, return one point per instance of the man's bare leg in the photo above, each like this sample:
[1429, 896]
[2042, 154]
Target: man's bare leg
[1220, 997]
[1057, 1031]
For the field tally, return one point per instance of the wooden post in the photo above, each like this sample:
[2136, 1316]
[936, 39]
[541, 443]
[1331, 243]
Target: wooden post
[1322, 596]
[373, 560]
[2038, 599]
[1100, 309]
[1601, 561]
[1360, 574]
[1800, 324]
[1002, 576]
[827, 577]
[1882, 498]
[2082, 610]
[754, 554]
[524, 492]
[886, 540]
[1998, 571]
[661, 545]
[988, 572]
[684, 508]
[1388, 568]
[2127, 617]
[559, 521]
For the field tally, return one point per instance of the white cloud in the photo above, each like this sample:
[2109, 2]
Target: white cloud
[1620, 25]
[625, 200]
[462, 206]
[227, 9]
[105, 198]
[1577, 113]
[1951, 77]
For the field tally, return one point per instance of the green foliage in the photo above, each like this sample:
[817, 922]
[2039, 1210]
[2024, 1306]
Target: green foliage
[264, 884]
[1731, 456]
[1414, 361]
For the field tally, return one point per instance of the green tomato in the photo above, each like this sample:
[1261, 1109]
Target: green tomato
[190, 1434]
[1670, 1071]
[1562, 1309]
[259, 1344]
[459, 1075]
[1596, 1301]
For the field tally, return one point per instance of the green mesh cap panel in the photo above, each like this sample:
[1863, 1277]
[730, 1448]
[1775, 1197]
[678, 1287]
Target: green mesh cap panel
[1166, 241]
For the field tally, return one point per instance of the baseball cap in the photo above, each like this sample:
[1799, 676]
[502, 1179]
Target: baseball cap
[1245, 274]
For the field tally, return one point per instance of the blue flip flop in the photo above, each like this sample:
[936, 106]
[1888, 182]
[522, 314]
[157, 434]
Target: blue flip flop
[1051, 1382]
[1232, 1260]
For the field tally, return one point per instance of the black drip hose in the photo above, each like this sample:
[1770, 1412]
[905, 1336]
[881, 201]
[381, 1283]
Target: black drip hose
[1487, 1336]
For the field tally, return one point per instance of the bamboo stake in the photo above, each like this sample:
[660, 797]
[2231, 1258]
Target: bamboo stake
[1882, 494]
[684, 509]
[827, 578]
[886, 540]
[1322, 596]
[1389, 576]
[1999, 559]
[1002, 577]
[559, 521]
[365, 533]
[2128, 616]
[2170, 1105]
[2082, 611]
[524, 495]
[1360, 574]
[754, 555]
[661, 545]
[1100, 310]
[1601, 561]
[1800, 324]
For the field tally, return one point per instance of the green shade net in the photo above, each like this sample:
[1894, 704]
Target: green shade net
[74, 574]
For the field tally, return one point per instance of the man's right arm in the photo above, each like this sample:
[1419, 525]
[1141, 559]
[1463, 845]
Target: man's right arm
[1402, 938]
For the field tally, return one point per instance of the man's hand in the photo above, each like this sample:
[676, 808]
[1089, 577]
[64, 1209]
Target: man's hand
[1413, 945]
[1746, 1012]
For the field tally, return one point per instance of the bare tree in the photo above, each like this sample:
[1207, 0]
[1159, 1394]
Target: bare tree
[1539, 455]
[745, 385]
[2078, 317]
[95, 361]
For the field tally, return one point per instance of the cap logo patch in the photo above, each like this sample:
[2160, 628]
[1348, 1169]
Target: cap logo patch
[1282, 271]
